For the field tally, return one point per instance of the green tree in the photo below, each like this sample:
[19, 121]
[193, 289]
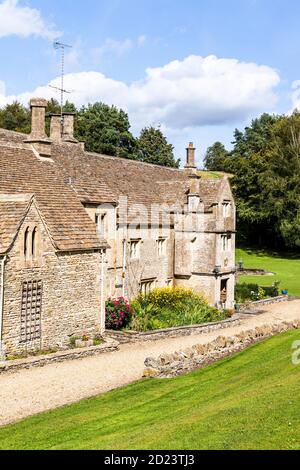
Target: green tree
[105, 129]
[15, 117]
[154, 148]
[216, 157]
[266, 183]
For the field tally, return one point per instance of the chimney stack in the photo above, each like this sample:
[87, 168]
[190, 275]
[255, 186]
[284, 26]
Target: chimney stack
[38, 118]
[191, 157]
[55, 127]
[68, 128]
[38, 137]
[65, 133]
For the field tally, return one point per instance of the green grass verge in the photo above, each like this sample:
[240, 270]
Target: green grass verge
[250, 401]
[286, 268]
[205, 174]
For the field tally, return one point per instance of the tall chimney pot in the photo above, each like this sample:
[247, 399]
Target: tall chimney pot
[191, 157]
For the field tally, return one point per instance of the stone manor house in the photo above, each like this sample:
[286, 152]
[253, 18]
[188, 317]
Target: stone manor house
[77, 228]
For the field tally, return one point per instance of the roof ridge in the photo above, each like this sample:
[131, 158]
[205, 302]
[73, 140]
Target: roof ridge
[130, 160]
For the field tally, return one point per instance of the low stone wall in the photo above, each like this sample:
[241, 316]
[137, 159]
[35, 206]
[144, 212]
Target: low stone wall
[61, 356]
[201, 355]
[261, 303]
[136, 337]
[254, 272]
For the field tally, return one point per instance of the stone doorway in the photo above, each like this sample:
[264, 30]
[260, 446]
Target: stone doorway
[224, 292]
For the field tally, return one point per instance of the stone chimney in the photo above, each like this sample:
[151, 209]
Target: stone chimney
[38, 118]
[55, 127]
[38, 137]
[65, 133]
[191, 157]
[68, 128]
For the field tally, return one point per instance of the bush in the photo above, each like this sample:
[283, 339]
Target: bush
[252, 292]
[118, 313]
[170, 307]
[244, 292]
[272, 291]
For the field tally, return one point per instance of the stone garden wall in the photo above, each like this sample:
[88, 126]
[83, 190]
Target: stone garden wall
[263, 302]
[136, 337]
[60, 356]
[201, 355]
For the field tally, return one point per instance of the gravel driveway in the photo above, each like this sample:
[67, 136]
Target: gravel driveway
[28, 392]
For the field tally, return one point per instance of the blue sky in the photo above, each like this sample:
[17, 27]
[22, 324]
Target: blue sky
[212, 64]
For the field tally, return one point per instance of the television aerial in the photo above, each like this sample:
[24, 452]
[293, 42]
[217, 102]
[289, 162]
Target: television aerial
[62, 47]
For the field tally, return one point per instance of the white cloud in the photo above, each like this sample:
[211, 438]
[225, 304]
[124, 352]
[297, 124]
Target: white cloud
[23, 21]
[183, 94]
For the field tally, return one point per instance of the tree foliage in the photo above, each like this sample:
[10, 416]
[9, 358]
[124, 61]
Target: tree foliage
[215, 158]
[104, 129]
[153, 147]
[265, 162]
[15, 117]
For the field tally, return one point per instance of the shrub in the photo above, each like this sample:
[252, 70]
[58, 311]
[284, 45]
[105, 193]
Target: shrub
[244, 292]
[272, 291]
[118, 313]
[170, 307]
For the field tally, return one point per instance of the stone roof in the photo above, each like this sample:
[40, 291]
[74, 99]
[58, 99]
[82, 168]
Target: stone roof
[68, 223]
[100, 178]
[73, 177]
[12, 213]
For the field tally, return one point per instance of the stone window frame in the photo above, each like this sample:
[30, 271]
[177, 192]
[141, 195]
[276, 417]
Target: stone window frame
[135, 248]
[148, 285]
[227, 209]
[30, 245]
[226, 239]
[101, 222]
[162, 246]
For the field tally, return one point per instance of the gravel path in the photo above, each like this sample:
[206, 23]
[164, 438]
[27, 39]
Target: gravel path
[28, 392]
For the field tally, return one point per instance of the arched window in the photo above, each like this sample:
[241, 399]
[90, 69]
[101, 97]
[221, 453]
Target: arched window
[26, 239]
[33, 243]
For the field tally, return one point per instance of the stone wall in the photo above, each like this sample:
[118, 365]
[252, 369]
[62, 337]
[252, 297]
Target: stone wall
[135, 337]
[71, 297]
[263, 302]
[60, 356]
[201, 355]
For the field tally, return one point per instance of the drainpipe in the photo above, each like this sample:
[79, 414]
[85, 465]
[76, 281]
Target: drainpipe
[3, 261]
[102, 319]
[124, 268]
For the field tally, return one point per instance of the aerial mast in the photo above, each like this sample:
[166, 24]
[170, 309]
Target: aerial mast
[59, 45]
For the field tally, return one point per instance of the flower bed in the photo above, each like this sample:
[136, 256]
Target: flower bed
[162, 308]
[118, 313]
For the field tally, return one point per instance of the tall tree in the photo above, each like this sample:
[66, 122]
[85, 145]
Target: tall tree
[266, 182]
[105, 129]
[216, 157]
[154, 148]
[15, 117]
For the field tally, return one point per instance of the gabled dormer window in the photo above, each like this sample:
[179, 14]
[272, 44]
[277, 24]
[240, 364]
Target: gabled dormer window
[226, 210]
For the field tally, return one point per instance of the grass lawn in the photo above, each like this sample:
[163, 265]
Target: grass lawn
[250, 401]
[286, 269]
